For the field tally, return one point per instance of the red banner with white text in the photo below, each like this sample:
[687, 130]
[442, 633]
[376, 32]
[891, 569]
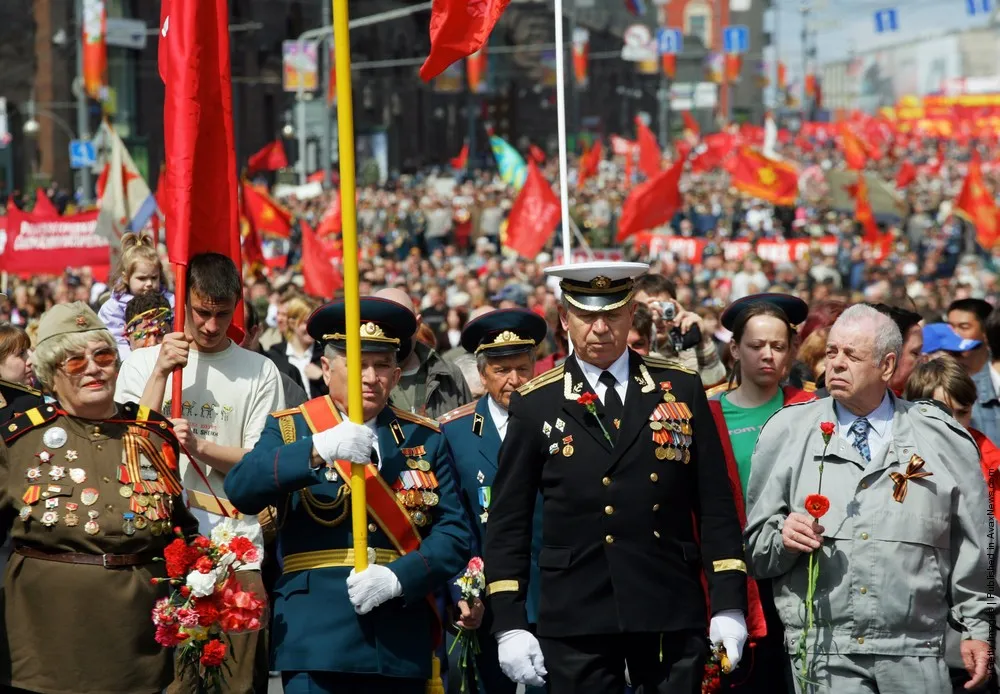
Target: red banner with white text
[36, 244]
[691, 250]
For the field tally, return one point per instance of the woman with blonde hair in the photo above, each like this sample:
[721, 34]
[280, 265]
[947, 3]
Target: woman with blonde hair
[139, 272]
[296, 354]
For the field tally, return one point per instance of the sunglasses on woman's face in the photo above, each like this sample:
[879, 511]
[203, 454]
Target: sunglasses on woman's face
[77, 364]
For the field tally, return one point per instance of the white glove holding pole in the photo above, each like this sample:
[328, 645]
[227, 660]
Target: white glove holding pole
[729, 628]
[521, 658]
[372, 587]
[346, 441]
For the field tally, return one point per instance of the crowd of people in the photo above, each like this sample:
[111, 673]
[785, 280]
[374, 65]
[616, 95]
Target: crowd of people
[573, 424]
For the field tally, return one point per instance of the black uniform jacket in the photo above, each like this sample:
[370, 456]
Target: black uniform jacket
[621, 524]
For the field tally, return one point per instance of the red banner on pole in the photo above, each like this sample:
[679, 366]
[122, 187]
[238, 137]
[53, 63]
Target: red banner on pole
[43, 245]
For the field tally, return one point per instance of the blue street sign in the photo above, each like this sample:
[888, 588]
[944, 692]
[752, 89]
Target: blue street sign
[81, 154]
[736, 39]
[975, 7]
[886, 21]
[669, 41]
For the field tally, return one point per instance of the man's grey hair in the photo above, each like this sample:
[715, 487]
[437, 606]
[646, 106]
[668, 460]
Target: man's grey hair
[483, 360]
[332, 351]
[886, 338]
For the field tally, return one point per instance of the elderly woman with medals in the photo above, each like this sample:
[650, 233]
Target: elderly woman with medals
[89, 495]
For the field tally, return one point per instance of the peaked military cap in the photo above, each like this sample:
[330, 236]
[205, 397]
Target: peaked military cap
[794, 308]
[64, 319]
[504, 332]
[598, 285]
[385, 326]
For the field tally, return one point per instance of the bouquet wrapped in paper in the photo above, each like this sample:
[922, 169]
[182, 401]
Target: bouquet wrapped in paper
[472, 583]
[206, 601]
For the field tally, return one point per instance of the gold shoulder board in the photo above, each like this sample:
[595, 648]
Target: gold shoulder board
[417, 419]
[458, 412]
[662, 363]
[550, 376]
[715, 390]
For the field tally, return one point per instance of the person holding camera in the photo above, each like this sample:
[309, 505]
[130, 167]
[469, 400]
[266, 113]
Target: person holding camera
[679, 334]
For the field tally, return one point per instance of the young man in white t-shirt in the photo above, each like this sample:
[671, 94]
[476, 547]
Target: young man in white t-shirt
[228, 394]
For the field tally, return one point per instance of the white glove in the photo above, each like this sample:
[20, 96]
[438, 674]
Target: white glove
[372, 587]
[521, 658]
[346, 441]
[730, 628]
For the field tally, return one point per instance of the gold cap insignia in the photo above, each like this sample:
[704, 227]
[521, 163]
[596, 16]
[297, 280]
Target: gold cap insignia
[600, 282]
[371, 331]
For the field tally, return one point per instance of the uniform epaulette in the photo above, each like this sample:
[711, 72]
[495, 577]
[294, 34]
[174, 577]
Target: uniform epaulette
[663, 363]
[284, 413]
[715, 390]
[147, 418]
[809, 386]
[458, 412]
[29, 420]
[417, 419]
[18, 386]
[551, 376]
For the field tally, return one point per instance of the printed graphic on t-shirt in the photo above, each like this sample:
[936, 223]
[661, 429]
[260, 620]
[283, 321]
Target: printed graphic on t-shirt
[202, 416]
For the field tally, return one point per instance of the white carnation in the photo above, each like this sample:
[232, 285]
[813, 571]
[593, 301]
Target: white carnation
[201, 585]
[226, 560]
[224, 532]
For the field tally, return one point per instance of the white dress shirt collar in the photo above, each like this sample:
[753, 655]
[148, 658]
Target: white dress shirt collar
[499, 415]
[619, 369]
[880, 419]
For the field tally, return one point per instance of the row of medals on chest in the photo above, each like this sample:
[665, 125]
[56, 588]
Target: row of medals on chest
[416, 495]
[148, 502]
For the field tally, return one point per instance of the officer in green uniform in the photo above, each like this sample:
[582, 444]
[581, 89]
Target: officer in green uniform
[17, 399]
[503, 343]
[335, 630]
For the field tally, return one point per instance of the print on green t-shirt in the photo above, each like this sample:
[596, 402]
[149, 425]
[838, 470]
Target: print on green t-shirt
[744, 424]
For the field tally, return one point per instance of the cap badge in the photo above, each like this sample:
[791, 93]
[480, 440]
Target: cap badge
[371, 330]
[600, 282]
[81, 321]
[506, 337]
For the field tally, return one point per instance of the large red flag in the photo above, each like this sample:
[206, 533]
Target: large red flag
[270, 157]
[753, 173]
[649, 150]
[460, 162]
[266, 215]
[906, 175]
[653, 203]
[43, 206]
[200, 192]
[590, 163]
[853, 148]
[458, 29]
[975, 203]
[331, 222]
[533, 216]
[863, 211]
[321, 259]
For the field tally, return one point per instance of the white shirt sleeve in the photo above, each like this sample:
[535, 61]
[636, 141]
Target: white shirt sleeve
[268, 397]
[132, 377]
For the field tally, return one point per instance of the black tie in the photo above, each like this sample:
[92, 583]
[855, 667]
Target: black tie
[613, 406]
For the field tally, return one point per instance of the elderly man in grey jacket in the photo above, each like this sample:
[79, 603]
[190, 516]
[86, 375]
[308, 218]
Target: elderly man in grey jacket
[902, 547]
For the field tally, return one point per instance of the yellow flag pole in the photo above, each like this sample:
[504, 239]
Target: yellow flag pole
[352, 300]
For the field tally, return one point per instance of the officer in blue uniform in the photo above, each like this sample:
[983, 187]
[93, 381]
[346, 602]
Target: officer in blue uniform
[504, 344]
[335, 630]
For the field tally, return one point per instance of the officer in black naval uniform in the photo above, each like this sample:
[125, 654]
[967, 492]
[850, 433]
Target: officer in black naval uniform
[625, 453]
[17, 399]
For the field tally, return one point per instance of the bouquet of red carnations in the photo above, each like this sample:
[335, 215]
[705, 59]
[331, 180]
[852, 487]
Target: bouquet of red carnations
[471, 584]
[206, 602]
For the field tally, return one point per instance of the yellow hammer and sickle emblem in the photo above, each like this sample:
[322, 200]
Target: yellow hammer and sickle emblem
[767, 176]
[976, 190]
[267, 214]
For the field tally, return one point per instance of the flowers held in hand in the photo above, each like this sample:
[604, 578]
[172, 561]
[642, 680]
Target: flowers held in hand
[206, 600]
[817, 505]
[588, 400]
[827, 429]
[471, 584]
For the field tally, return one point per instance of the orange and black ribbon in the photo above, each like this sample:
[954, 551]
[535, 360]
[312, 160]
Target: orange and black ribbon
[914, 471]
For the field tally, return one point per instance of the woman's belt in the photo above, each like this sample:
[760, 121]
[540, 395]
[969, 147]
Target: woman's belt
[108, 561]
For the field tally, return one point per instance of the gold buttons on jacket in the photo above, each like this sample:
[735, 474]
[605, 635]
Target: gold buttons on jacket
[608, 510]
[372, 528]
[861, 639]
[654, 477]
[864, 536]
[863, 590]
[656, 534]
[656, 507]
[864, 485]
[97, 431]
[606, 481]
[610, 539]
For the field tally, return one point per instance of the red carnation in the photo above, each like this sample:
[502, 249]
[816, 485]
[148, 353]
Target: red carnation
[168, 635]
[179, 558]
[827, 429]
[240, 546]
[587, 399]
[202, 542]
[213, 654]
[208, 612]
[185, 591]
[817, 505]
[204, 565]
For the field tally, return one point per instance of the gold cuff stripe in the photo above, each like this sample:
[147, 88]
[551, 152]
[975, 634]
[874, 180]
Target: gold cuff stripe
[729, 565]
[501, 587]
[332, 558]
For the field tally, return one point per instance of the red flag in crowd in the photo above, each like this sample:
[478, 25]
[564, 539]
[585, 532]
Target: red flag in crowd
[462, 160]
[975, 203]
[590, 163]
[270, 157]
[863, 210]
[653, 203]
[321, 259]
[649, 150]
[43, 206]
[853, 149]
[534, 215]
[200, 193]
[458, 29]
[265, 215]
[536, 153]
[712, 152]
[690, 123]
[331, 222]
[751, 172]
[906, 175]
